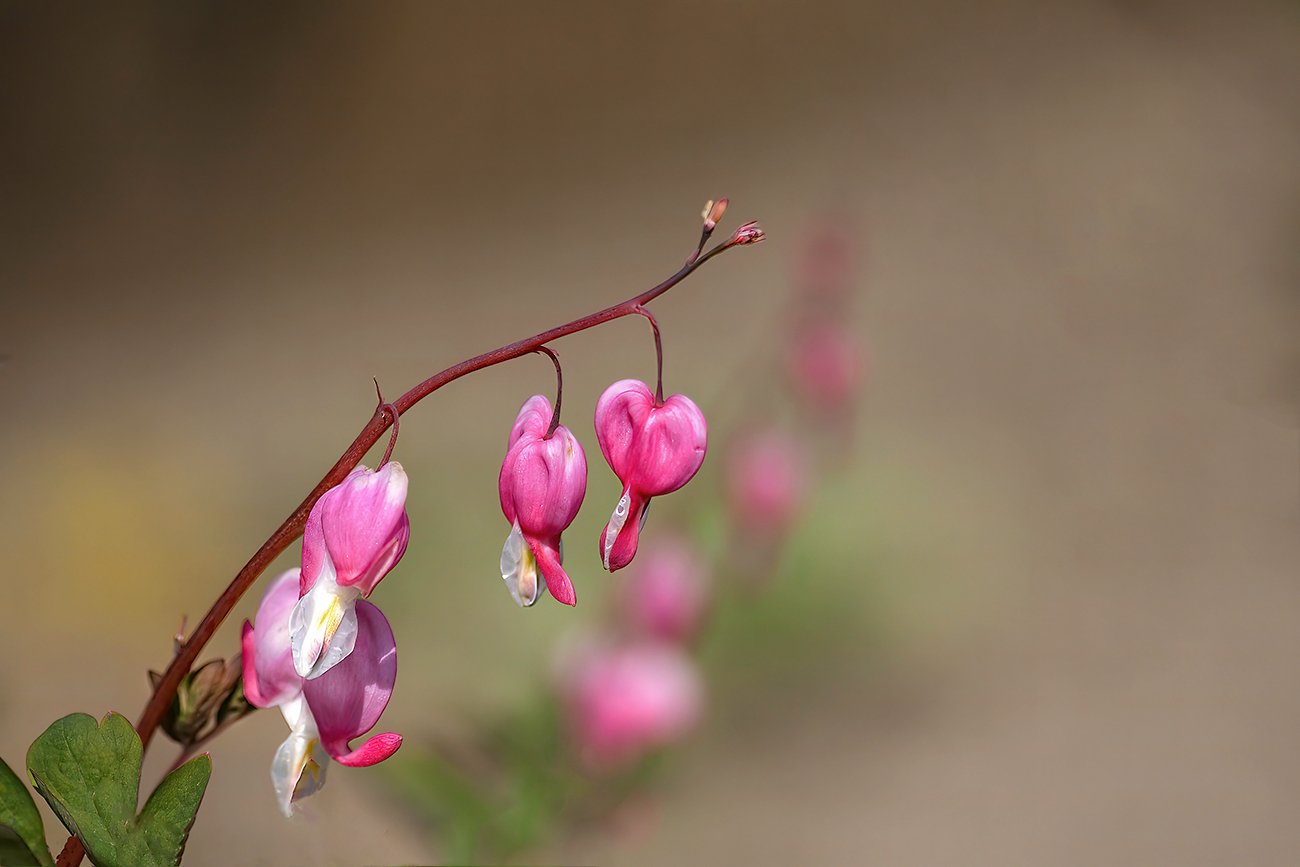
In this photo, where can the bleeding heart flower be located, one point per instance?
(652, 449)
(666, 592)
(325, 713)
(543, 480)
(767, 478)
(623, 700)
(355, 534)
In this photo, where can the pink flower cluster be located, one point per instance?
(654, 449)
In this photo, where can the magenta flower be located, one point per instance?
(355, 534)
(543, 480)
(624, 700)
(652, 449)
(767, 479)
(324, 713)
(666, 592)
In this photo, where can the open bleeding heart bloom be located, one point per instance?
(325, 713)
(543, 480)
(355, 534)
(652, 449)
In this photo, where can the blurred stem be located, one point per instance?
(383, 417)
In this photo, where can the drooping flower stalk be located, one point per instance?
(384, 416)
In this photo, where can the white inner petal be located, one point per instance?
(323, 625)
(298, 768)
(519, 569)
(616, 522)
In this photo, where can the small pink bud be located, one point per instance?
(623, 701)
(541, 485)
(749, 233)
(653, 450)
(666, 591)
(713, 212)
(767, 478)
(826, 366)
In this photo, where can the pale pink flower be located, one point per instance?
(324, 713)
(625, 700)
(767, 480)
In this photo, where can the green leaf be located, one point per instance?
(22, 833)
(90, 775)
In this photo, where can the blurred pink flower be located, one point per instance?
(625, 700)
(767, 480)
(324, 713)
(355, 534)
(826, 366)
(543, 480)
(652, 449)
(665, 594)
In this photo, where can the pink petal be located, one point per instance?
(246, 646)
(266, 651)
(347, 700)
(548, 561)
(625, 542)
(313, 551)
(534, 418)
(545, 481)
(360, 518)
(620, 413)
(372, 752)
(670, 447)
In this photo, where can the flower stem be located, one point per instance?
(559, 389)
(659, 357)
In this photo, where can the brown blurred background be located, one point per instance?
(1076, 480)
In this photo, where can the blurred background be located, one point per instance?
(1044, 613)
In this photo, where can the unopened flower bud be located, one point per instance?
(713, 212)
(750, 233)
(653, 450)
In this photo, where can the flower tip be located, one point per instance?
(750, 233)
(372, 752)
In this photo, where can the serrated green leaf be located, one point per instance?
(90, 775)
(19, 817)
